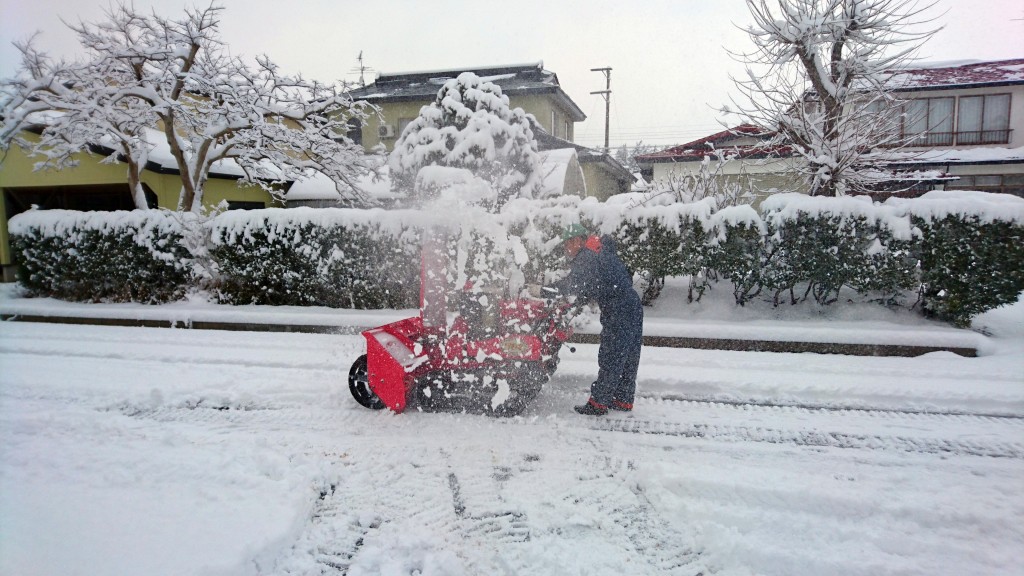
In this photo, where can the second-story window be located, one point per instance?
(554, 127)
(984, 119)
(568, 131)
(929, 121)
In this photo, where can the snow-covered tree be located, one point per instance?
(73, 107)
(817, 78)
(626, 155)
(176, 77)
(470, 125)
(708, 181)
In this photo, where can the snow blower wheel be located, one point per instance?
(359, 385)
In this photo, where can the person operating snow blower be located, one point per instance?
(598, 275)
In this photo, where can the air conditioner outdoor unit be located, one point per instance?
(386, 131)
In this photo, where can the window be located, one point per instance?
(568, 131)
(402, 123)
(554, 126)
(929, 121)
(1004, 184)
(355, 131)
(984, 119)
(245, 205)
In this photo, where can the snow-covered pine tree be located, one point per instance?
(816, 78)
(471, 126)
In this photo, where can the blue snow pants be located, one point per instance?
(598, 275)
(618, 356)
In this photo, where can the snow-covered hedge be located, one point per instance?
(971, 251)
(136, 256)
(824, 244)
(343, 258)
(962, 251)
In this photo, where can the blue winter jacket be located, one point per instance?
(600, 276)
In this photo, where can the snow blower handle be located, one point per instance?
(543, 292)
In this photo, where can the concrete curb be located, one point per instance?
(656, 341)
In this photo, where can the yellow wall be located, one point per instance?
(540, 105)
(6, 261)
(16, 172)
(600, 183)
(392, 112)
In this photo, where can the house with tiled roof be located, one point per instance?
(966, 122)
(400, 96)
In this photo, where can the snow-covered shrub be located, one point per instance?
(829, 243)
(736, 250)
(971, 251)
(342, 258)
(661, 241)
(135, 256)
(470, 125)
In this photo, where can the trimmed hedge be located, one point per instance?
(136, 256)
(304, 257)
(825, 244)
(962, 252)
(971, 252)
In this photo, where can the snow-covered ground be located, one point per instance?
(199, 452)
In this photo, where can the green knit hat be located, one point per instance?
(574, 231)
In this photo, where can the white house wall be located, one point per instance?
(1016, 112)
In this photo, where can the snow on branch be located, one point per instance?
(144, 71)
(816, 78)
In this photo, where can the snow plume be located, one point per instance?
(482, 255)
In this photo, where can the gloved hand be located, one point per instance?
(534, 290)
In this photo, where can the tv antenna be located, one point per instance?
(362, 69)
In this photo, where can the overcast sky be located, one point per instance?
(668, 57)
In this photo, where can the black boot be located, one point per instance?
(592, 408)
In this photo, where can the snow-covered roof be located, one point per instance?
(321, 187)
(545, 141)
(513, 79)
(946, 75)
(159, 159)
(964, 156)
(934, 76)
(698, 149)
(554, 165)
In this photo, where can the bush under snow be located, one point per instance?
(961, 253)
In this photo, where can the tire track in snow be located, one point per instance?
(249, 414)
(814, 438)
(149, 357)
(357, 512)
(810, 407)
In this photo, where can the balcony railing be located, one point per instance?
(984, 137)
(962, 138)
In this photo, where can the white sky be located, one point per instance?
(669, 61)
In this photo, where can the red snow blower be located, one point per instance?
(493, 357)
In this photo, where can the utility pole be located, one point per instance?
(607, 93)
